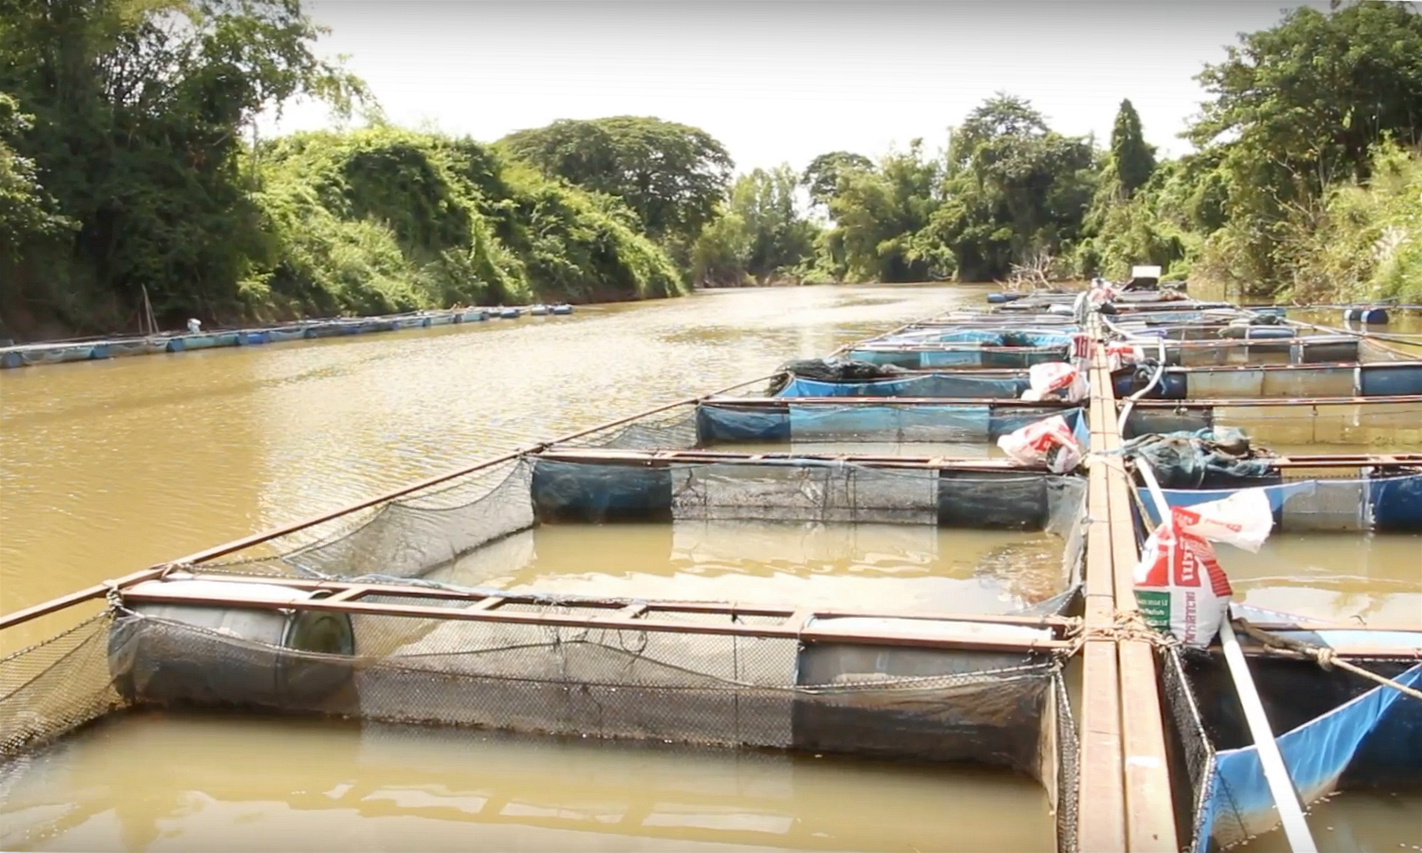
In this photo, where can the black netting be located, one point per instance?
(671, 685)
(56, 686)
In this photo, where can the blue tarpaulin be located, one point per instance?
(1239, 805)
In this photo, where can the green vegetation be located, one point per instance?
(129, 167)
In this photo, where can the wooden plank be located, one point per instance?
(1149, 812)
(1101, 808)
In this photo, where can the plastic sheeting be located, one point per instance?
(1373, 504)
(994, 387)
(962, 357)
(1206, 458)
(726, 423)
(1334, 730)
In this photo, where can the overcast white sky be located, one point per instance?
(782, 80)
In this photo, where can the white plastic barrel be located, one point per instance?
(229, 654)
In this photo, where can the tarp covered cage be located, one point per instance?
(1391, 422)
(1385, 500)
(1275, 381)
(929, 704)
(985, 384)
(727, 421)
(928, 358)
(1336, 731)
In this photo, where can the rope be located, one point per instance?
(1126, 626)
(1324, 657)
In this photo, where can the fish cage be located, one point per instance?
(1335, 730)
(545, 592)
(1382, 423)
(1276, 381)
(840, 420)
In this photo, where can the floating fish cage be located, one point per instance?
(405, 609)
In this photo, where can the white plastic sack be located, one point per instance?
(1047, 441)
(1119, 355)
(1055, 380)
(1180, 587)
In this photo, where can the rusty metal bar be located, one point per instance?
(1244, 402)
(616, 620)
(668, 457)
(786, 402)
(500, 598)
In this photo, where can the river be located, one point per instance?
(108, 466)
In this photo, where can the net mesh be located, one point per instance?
(55, 686)
(1001, 708)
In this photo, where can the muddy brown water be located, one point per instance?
(108, 466)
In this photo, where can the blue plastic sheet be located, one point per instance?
(1384, 504)
(931, 385)
(1317, 754)
(728, 423)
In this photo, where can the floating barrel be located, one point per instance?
(1372, 316)
(235, 653)
(247, 339)
(1000, 298)
(11, 360)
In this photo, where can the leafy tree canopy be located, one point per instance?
(821, 177)
(671, 175)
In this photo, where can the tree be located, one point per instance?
(26, 209)
(1132, 159)
(821, 178)
(761, 233)
(1317, 91)
(1014, 189)
(1296, 109)
(671, 175)
(878, 212)
(140, 110)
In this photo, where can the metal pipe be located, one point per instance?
(1131, 400)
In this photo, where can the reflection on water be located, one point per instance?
(318, 786)
(1332, 576)
(859, 567)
